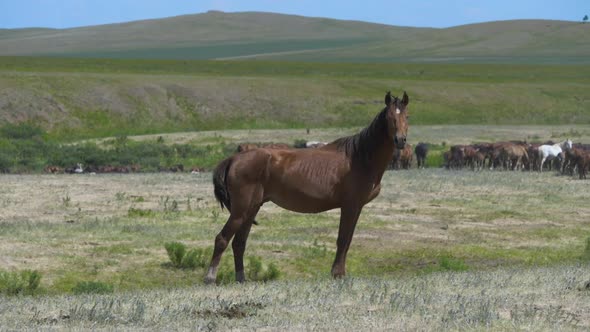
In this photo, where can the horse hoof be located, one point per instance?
(209, 280)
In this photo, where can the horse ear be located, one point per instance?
(405, 99)
(388, 98)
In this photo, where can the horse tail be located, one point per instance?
(220, 183)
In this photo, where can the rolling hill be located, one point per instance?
(309, 72)
(256, 35)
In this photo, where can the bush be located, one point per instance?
(181, 258)
(92, 287)
(19, 283)
(195, 258)
(176, 251)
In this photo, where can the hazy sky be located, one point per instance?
(423, 13)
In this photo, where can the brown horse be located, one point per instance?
(344, 174)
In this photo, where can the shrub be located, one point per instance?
(92, 287)
(141, 213)
(196, 258)
(176, 251)
(191, 259)
(19, 283)
(272, 273)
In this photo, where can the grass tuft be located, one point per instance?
(19, 282)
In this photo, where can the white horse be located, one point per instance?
(79, 169)
(549, 152)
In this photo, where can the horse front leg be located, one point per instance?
(348, 219)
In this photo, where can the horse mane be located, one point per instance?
(362, 146)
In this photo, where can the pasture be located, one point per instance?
(437, 248)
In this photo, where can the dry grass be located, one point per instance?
(539, 299)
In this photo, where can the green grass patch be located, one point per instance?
(24, 282)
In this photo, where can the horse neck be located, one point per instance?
(383, 159)
(381, 148)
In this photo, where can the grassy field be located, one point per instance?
(86, 98)
(436, 248)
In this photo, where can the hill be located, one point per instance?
(81, 98)
(219, 35)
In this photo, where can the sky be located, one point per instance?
(416, 13)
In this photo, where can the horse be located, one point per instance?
(421, 152)
(314, 144)
(549, 152)
(514, 156)
(246, 147)
(402, 158)
(74, 170)
(345, 174)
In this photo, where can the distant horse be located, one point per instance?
(246, 147)
(52, 169)
(583, 163)
(402, 158)
(314, 144)
(421, 152)
(344, 174)
(549, 152)
(74, 170)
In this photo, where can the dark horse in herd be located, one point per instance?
(343, 174)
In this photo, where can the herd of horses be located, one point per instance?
(565, 156)
(124, 169)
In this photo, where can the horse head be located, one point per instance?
(568, 144)
(397, 118)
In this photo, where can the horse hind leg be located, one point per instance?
(239, 221)
(239, 245)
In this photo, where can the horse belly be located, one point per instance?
(300, 202)
(305, 182)
(302, 195)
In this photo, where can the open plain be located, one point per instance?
(450, 249)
